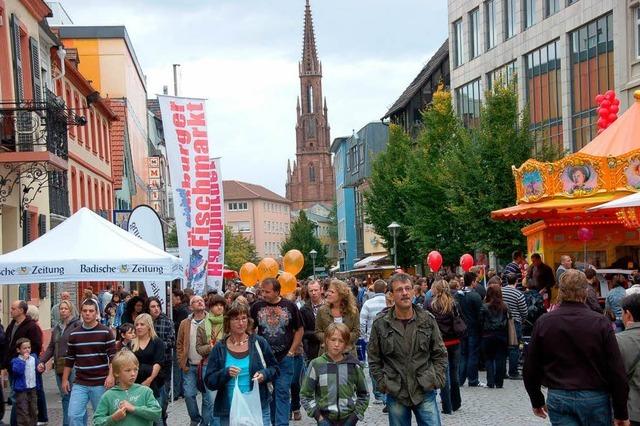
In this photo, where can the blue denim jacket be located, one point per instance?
(613, 301)
(216, 376)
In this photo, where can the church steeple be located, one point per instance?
(310, 65)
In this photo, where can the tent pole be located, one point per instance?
(170, 299)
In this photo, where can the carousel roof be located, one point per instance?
(621, 137)
(552, 208)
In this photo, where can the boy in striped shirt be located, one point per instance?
(91, 349)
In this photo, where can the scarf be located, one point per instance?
(214, 323)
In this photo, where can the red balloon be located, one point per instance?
(605, 104)
(603, 112)
(585, 234)
(614, 108)
(610, 94)
(434, 259)
(466, 262)
(600, 130)
(612, 117)
(602, 123)
(599, 98)
(616, 101)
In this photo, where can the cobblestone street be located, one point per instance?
(480, 406)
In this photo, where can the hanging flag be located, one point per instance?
(216, 229)
(185, 133)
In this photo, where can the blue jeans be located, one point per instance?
(189, 382)
(281, 401)
(514, 352)
(427, 413)
(575, 408)
(296, 382)
(494, 348)
(469, 355)
(450, 394)
(81, 395)
(65, 396)
(178, 391)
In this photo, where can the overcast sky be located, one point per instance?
(242, 55)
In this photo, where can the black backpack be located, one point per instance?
(535, 309)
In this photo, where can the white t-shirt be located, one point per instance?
(30, 373)
(194, 356)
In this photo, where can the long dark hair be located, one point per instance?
(494, 298)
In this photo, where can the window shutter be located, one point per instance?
(42, 225)
(35, 69)
(26, 228)
(17, 58)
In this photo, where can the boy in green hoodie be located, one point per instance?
(334, 390)
(127, 403)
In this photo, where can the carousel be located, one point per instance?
(562, 197)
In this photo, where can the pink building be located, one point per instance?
(260, 215)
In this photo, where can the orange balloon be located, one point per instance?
(293, 262)
(267, 268)
(249, 274)
(288, 283)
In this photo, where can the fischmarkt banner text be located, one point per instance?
(216, 229)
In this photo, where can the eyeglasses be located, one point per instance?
(403, 290)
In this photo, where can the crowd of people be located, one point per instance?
(312, 349)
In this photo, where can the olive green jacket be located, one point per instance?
(324, 318)
(408, 362)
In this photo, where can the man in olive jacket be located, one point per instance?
(407, 357)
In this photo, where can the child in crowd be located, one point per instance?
(23, 368)
(126, 333)
(335, 376)
(127, 403)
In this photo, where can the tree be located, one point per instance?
(388, 196)
(302, 237)
(333, 232)
(171, 238)
(238, 250)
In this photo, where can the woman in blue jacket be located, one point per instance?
(240, 356)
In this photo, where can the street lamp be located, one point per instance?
(342, 245)
(313, 255)
(393, 228)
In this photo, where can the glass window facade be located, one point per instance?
(509, 18)
(637, 31)
(506, 73)
(551, 7)
(490, 23)
(591, 74)
(544, 96)
(468, 103)
(458, 54)
(474, 33)
(529, 13)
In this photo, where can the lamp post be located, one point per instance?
(393, 228)
(313, 255)
(342, 245)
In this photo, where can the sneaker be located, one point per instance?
(516, 377)
(377, 401)
(296, 415)
(479, 385)
(385, 409)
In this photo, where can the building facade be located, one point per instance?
(561, 54)
(311, 180)
(345, 206)
(260, 215)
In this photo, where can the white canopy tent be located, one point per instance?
(632, 200)
(86, 247)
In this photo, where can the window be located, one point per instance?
(312, 173)
(238, 206)
(310, 99)
(474, 34)
(490, 23)
(506, 74)
(637, 31)
(529, 13)
(591, 73)
(468, 103)
(544, 95)
(458, 54)
(551, 7)
(509, 18)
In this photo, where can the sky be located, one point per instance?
(242, 55)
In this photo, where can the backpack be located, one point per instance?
(495, 321)
(535, 309)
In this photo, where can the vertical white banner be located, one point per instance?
(185, 134)
(216, 229)
(145, 224)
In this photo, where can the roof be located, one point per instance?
(335, 145)
(620, 137)
(94, 32)
(553, 207)
(421, 78)
(236, 190)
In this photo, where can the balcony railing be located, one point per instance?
(58, 193)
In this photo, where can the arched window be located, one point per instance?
(312, 173)
(310, 99)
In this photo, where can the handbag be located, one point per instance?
(512, 336)
(264, 364)
(202, 367)
(459, 326)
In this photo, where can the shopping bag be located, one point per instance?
(246, 409)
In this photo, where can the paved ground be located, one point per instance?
(480, 406)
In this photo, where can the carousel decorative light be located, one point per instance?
(629, 217)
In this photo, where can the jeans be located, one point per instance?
(450, 394)
(514, 352)
(189, 384)
(163, 400)
(349, 421)
(494, 348)
(575, 408)
(469, 354)
(178, 391)
(361, 350)
(80, 396)
(42, 403)
(427, 413)
(376, 391)
(295, 382)
(266, 417)
(281, 401)
(65, 396)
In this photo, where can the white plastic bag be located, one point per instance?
(246, 409)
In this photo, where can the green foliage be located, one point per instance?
(171, 238)
(238, 250)
(333, 230)
(302, 237)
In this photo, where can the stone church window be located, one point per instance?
(312, 173)
(310, 99)
(310, 127)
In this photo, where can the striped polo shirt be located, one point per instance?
(516, 303)
(90, 351)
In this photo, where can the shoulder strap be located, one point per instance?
(259, 349)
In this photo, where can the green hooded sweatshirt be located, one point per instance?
(147, 408)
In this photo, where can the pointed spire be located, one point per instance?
(310, 63)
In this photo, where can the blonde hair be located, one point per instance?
(347, 300)
(148, 321)
(442, 301)
(339, 328)
(33, 312)
(573, 286)
(123, 358)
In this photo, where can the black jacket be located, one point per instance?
(180, 313)
(470, 304)
(27, 328)
(310, 342)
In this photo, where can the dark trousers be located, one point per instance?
(298, 362)
(43, 416)
(469, 354)
(450, 394)
(514, 352)
(27, 407)
(494, 348)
